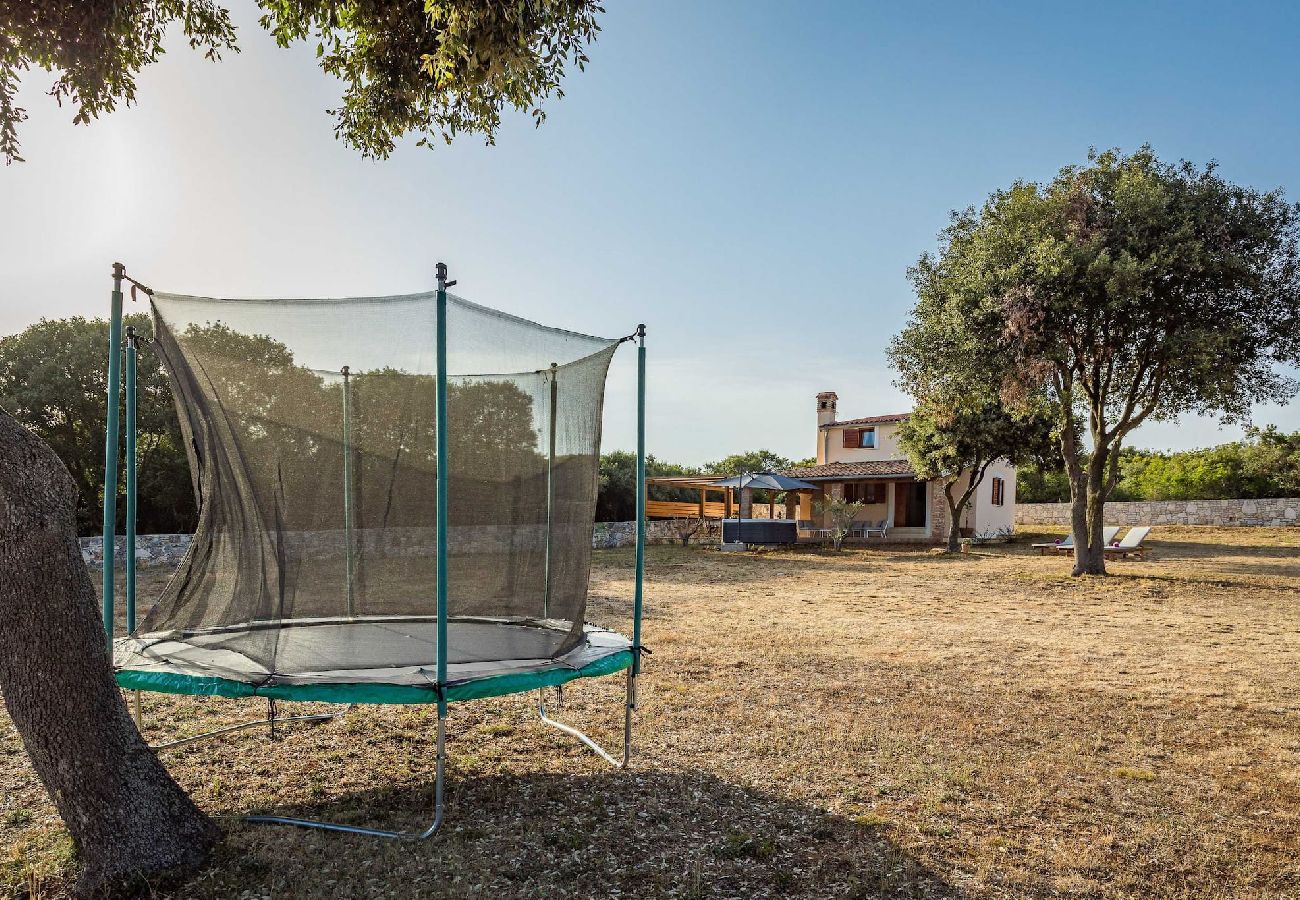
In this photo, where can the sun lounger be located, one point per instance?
(1067, 545)
(1132, 544)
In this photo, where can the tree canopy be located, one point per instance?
(1125, 290)
(438, 68)
(751, 461)
(54, 380)
(1266, 463)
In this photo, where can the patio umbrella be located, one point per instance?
(766, 481)
(761, 481)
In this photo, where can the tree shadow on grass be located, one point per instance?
(1212, 551)
(634, 833)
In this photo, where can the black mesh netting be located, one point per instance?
(312, 444)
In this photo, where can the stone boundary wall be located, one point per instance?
(168, 549)
(150, 549)
(1276, 511)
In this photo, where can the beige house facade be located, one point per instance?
(860, 459)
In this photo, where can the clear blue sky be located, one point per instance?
(751, 179)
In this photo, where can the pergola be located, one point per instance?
(727, 486)
(703, 508)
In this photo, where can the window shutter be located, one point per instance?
(851, 438)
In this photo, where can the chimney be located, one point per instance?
(826, 407)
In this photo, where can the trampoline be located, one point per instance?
(396, 501)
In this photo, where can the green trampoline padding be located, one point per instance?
(376, 659)
(475, 689)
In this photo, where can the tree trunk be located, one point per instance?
(1089, 553)
(129, 819)
(955, 510)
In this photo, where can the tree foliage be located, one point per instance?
(750, 462)
(616, 495)
(438, 68)
(54, 380)
(97, 47)
(1265, 464)
(1123, 291)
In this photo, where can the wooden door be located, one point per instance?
(909, 504)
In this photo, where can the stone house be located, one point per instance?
(860, 459)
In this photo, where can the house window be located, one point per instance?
(860, 438)
(864, 492)
(999, 492)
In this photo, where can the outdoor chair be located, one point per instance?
(880, 528)
(812, 529)
(1133, 543)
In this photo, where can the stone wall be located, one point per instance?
(168, 549)
(1279, 511)
(150, 549)
(658, 531)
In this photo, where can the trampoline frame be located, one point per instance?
(111, 459)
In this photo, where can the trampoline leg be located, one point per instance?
(272, 721)
(438, 806)
(139, 719)
(599, 750)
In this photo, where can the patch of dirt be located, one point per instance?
(873, 723)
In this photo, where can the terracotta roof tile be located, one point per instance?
(872, 420)
(875, 468)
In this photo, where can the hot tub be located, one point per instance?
(760, 531)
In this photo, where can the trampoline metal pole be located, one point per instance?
(640, 501)
(550, 496)
(111, 443)
(129, 562)
(348, 513)
(440, 426)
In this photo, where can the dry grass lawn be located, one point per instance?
(879, 723)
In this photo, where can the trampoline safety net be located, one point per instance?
(311, 434)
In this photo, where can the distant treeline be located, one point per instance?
(53, 379)
(1264, 464)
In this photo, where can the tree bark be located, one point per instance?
(954, 518)
(129, 819)
(1090, 555)
(957, 506)
(1086, 506)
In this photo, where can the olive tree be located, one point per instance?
(1123, 291)
(437, 68)
(838, 514)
